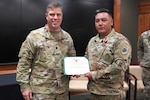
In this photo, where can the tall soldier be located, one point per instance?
(42, 52)
(144, 59)
(109, 55)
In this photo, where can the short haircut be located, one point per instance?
(54, 5)
(103, 10)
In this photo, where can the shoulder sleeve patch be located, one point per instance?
(124, 49)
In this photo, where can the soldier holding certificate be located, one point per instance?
(109, 55)
(42, 52)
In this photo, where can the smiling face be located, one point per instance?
(103, 23)
(54, 18)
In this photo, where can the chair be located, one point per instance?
(137, 84)
(127, 84)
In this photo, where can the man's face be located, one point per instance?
(103, 23)
(54, 18)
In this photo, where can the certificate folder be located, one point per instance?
(75, 65)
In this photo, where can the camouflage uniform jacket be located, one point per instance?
(109, 58)
(43, 54)
(144, 49)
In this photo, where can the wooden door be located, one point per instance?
(143, 17)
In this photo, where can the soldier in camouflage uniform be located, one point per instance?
(144, 59)
(39, 70)
(109, 55)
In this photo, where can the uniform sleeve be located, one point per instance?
(140, 49)
(122, 55)
(25, 60)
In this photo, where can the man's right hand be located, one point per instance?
(27, 95)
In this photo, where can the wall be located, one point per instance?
(129, 24)
(128, 27)
(9, 89)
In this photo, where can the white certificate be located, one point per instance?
(76, 65)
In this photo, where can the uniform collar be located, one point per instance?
(48, 34)
(106, 38)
